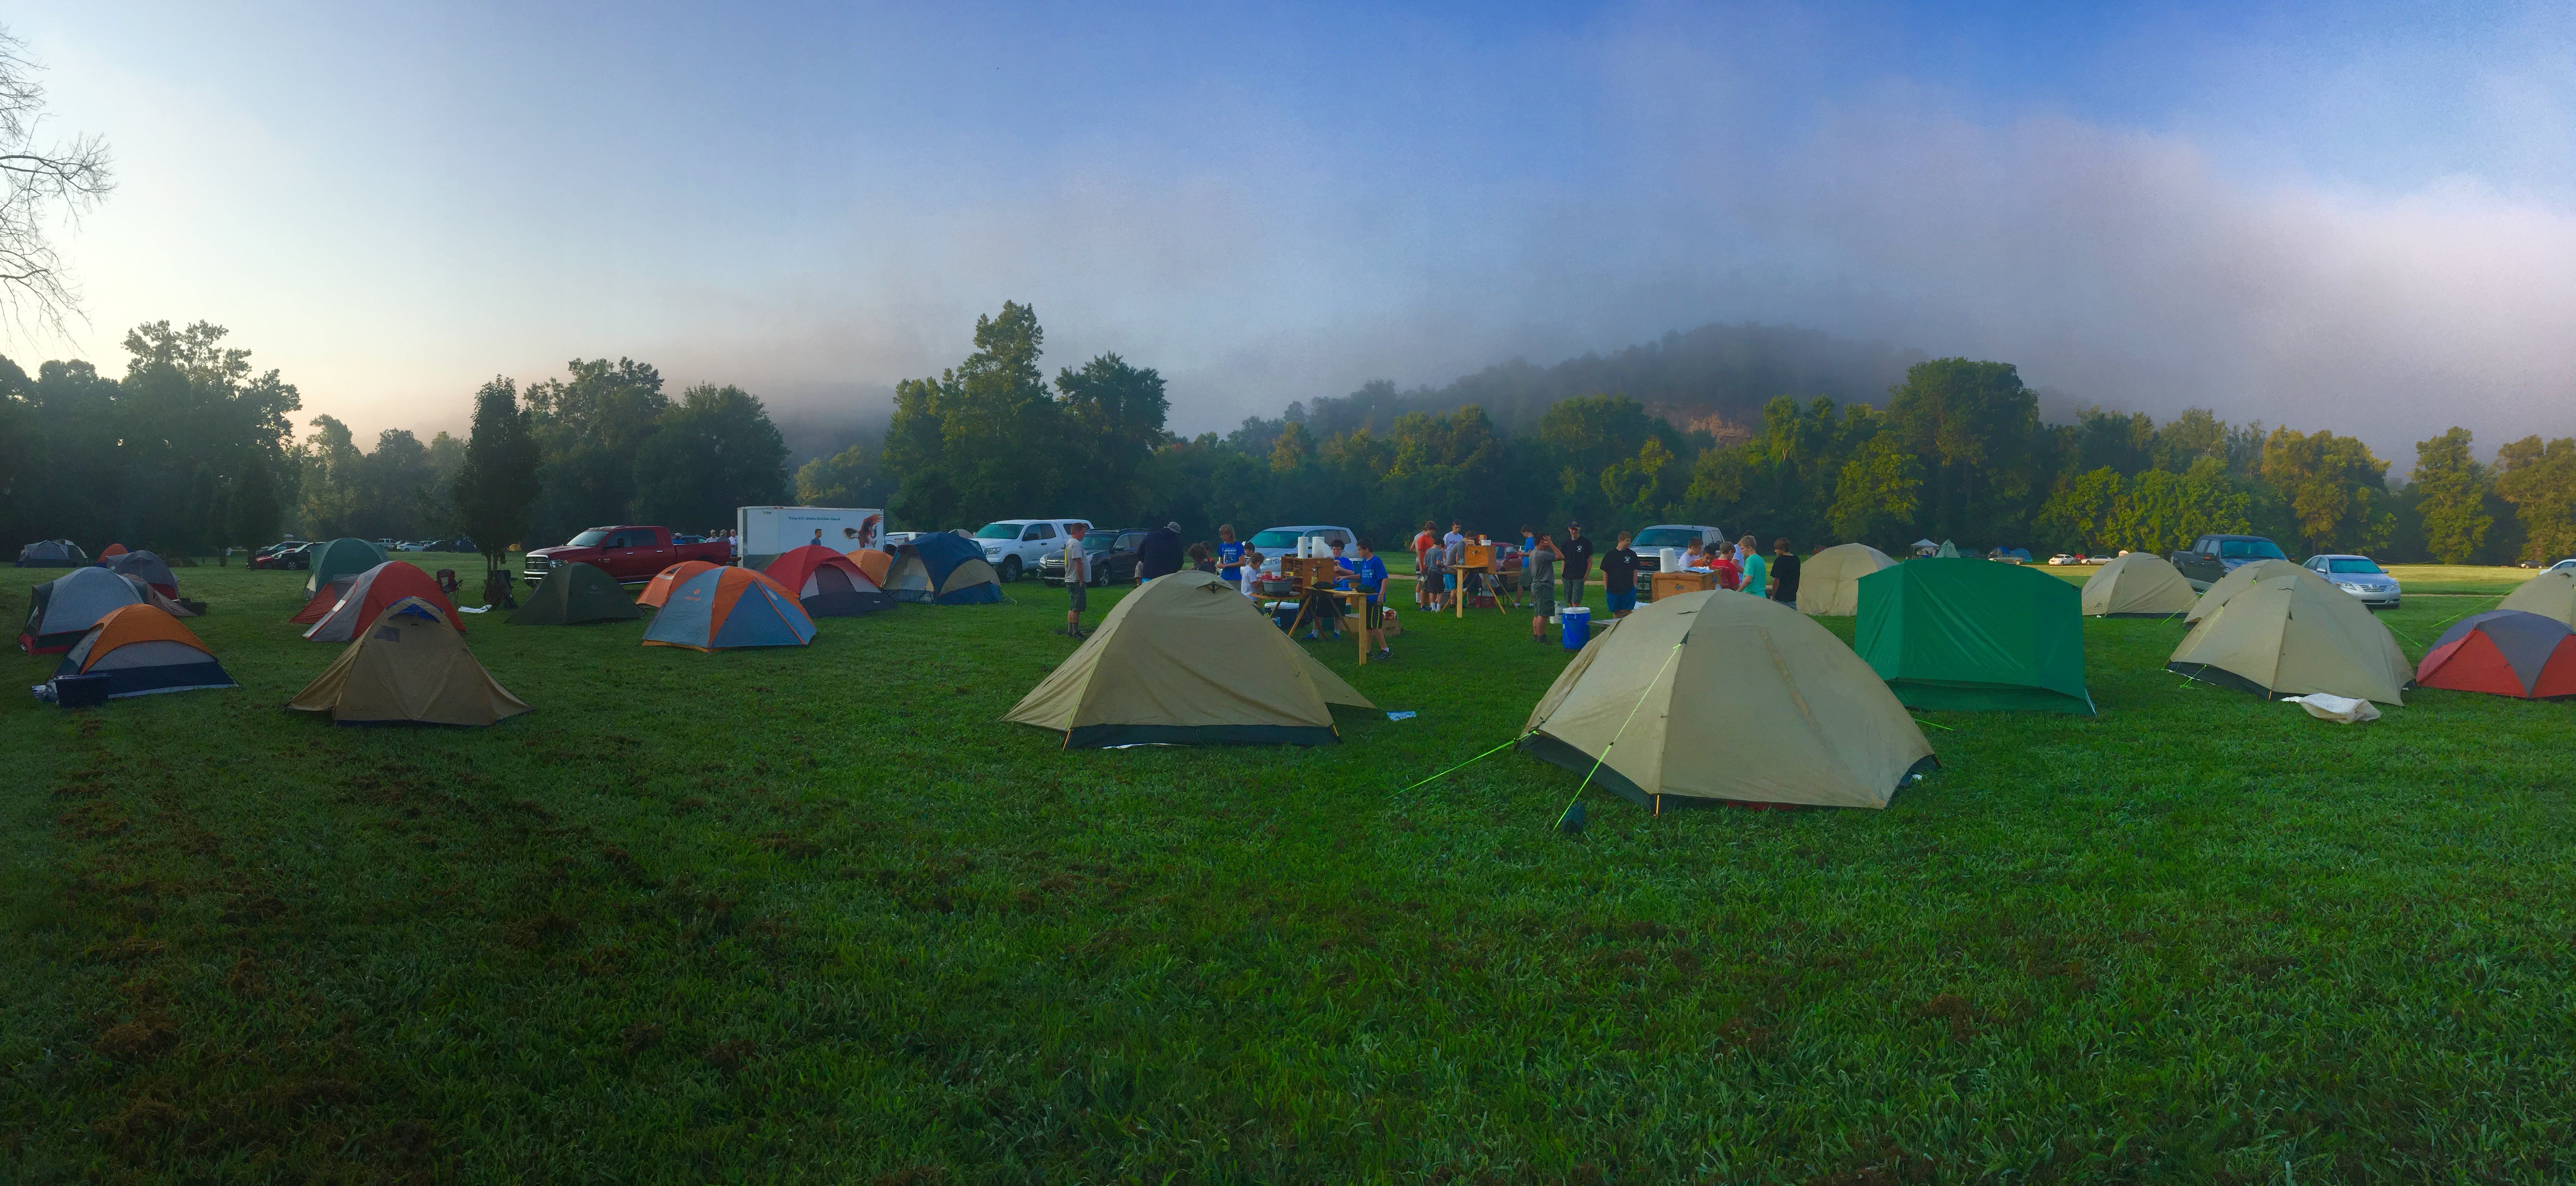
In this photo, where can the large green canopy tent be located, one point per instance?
(1974, 635)
(573, 594)
(340, 556)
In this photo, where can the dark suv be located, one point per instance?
(1112, 555)
(2213, 556)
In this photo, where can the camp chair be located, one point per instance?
(447, 582)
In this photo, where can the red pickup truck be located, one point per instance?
(631, 554)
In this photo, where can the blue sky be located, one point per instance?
(2361, 217)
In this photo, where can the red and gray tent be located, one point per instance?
(2506, 652)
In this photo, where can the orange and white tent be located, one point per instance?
(827, 583)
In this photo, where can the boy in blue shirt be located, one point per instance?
(1229, 555)
(1368, 574)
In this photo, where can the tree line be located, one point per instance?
(191, 451)
(1956, 451)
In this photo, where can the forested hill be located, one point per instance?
(1716, 378)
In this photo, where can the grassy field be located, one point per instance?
(814, 915)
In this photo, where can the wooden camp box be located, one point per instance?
(1477, 556)
(1665, 584)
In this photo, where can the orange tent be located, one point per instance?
(142, 650)
(112, 552)
(373, 591)
(658, 590)
(874, 563)
(730, 607)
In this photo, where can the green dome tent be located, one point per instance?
(340, 556)
(573, 594)
(1972, 635)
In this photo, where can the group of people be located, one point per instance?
(1550, 572)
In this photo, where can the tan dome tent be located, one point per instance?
(1187, 660)
(409, 664)
(1720, 696)
(2138, 585)
(2243, 578)
(2284, 636)
(1829, 581)
(2550, 595)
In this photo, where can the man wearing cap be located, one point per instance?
(1160, 553)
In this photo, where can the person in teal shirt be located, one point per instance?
(1749, 554)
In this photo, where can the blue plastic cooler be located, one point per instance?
(1577, 627)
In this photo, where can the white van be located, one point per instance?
(1013, 546)
(762, 533)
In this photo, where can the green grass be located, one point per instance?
(814, 915)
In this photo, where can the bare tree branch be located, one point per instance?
(42, 183)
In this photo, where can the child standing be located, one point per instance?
(1077, 577)
(1368, 575)
(1619, 577)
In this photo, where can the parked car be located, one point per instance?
(2359, 576)
(2568, 565)
(2213, 556)
(1111, 553)
(2063, 558)
(1275, 542)
(283, 554)
(1014, 546)
(632, 554)
(1650, 542)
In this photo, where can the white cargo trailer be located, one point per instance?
(761, 533)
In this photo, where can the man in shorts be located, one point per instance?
(1542, 584)
(1368, 575)
(1077, 577)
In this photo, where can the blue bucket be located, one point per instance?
(1578, 627)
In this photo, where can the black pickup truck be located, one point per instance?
(2213, 556)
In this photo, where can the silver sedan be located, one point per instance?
(2360, 576)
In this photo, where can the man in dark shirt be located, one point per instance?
(1619, 577)
(1160, 553)
(1578, 562)
(1784, 572)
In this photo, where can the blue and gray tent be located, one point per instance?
(943, 568)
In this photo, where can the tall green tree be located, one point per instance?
(2540, 481)
(254, 510)
(1113, 418)
(2336, 491)
(2451, 499)
(590, 427)
(498, 482)
(715, 450)
(981, 441)
(849, 478)
(1974, 425)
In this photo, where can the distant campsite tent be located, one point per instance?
(1720, 696)
(827, 583)
(409, 664)
(658, 590)
(1187, 660)
(1947, 551)
(2138, 585)
(339, 556)
(573, 594)
(111, 552)
(723, 608)
(2551, 595)
(149, 568)
(2243, 578)
(2505, 652)
(874, 562)
(1829, 581)
(372, 593)
(319, 607)
(2289, 635)
(61, 610)
(1968, 634)
(944, 568)
(142, 650)
(52, 553)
